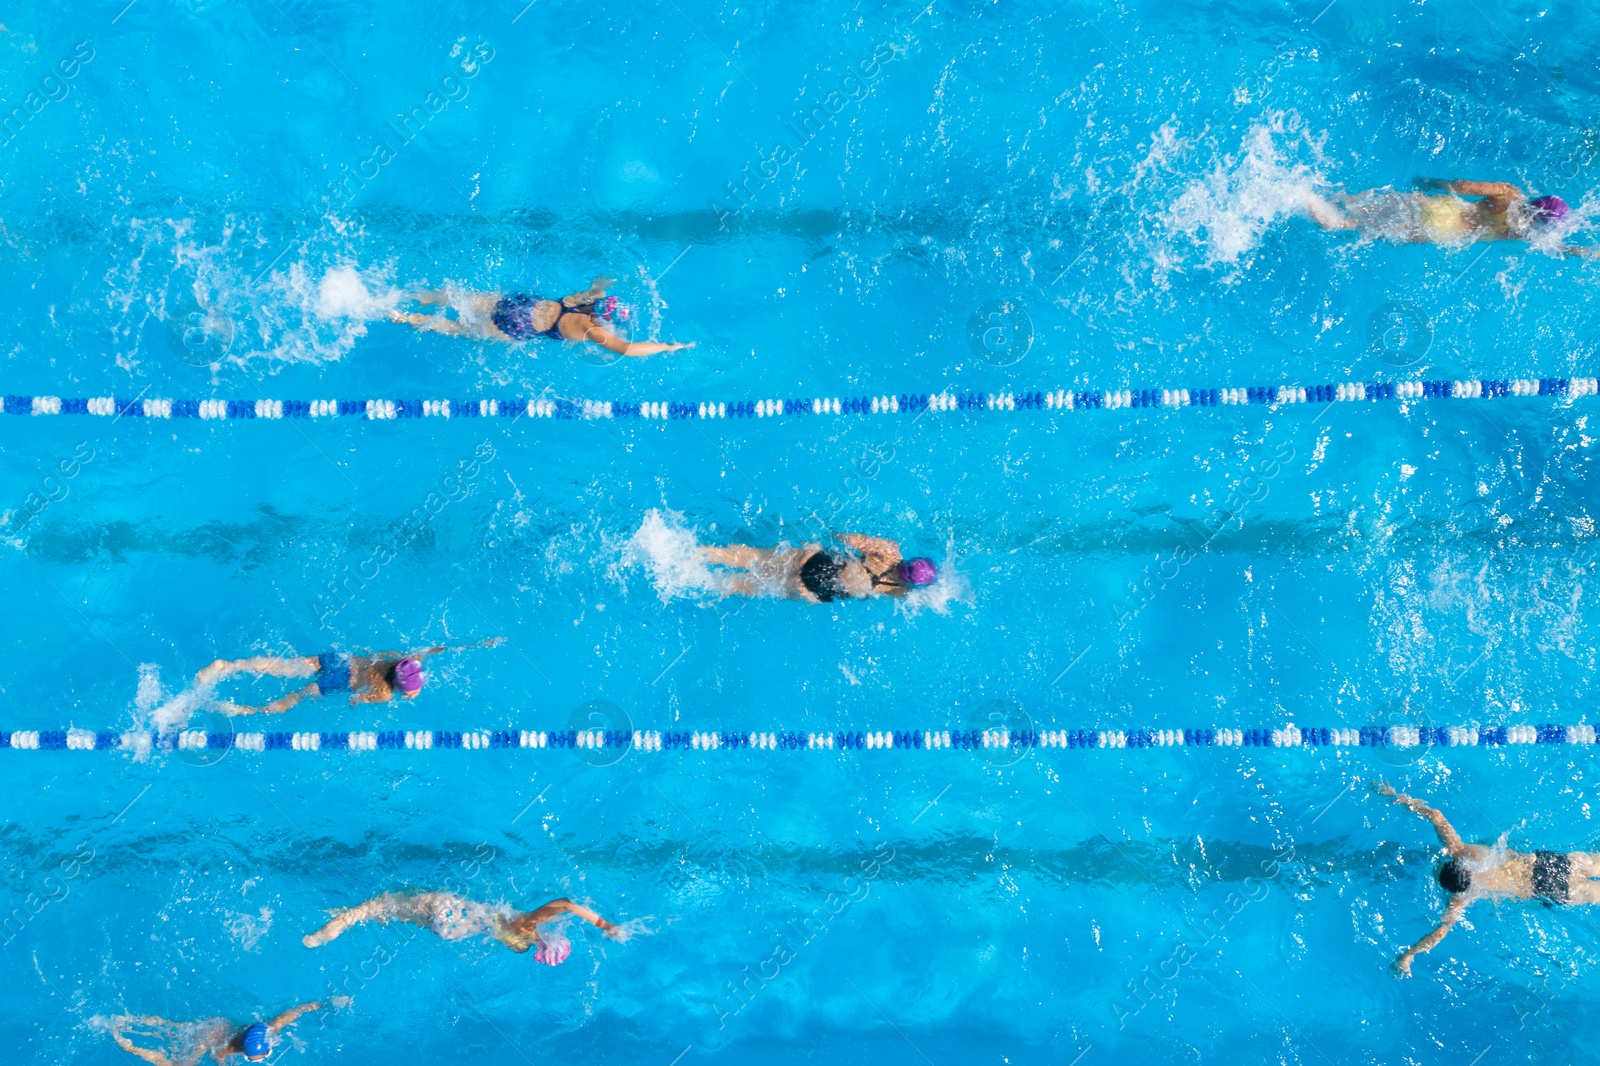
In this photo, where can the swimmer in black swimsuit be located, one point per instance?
(514, 317)
(811, 573)
(377, 679)
(1474, 871)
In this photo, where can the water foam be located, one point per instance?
(667, 549)
(1228, 210)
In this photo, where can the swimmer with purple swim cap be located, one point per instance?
(589, 316)
(188, 1042)
(812, 573)
(1501, 212)
(454, 917)
(369, 679)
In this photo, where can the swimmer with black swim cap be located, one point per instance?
(819, 576)
(189, 1042)
(1475, 871)
(589, 316)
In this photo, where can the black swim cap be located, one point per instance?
(1454, 877)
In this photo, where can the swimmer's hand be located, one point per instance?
(1383, 788)
(341, 1002)
(1402, 967)
(616, 932)
(675, 347)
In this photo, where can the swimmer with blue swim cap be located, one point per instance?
(1501, 212)
(189, 1042)
(454, 917)
(812, 573)
(369, 679)
(582, 317)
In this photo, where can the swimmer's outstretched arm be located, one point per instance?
(288, 1017)
(1458, 904)
(1447, 834)
(557, 907)
(277, 706)
(611, 342)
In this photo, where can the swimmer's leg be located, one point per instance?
(260, 665)
(1326, 215)
(416, 909)
(738, 556)
(277, 706)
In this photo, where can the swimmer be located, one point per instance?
(1503, 213)
(217, 1037)
(368, 680)
(1474, 871)
(455, 918)
(810, 573)
(512, 317)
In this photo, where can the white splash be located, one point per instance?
(670, 555)
(1227, 210)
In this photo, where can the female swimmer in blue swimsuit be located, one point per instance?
(368, 680)
(513, 317)
(456, 918)
(1475, 871)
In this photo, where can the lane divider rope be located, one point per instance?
(905, 403)
(1288, 736)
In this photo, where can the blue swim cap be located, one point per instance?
(255, 1041)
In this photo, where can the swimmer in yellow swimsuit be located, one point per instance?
(456, 918)
(1501, 212)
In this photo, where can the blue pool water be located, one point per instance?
(1128, 175)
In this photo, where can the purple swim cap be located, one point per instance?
(408, 675)
(553, 952)
(1549, 208)
(919, 572)
(611, 307)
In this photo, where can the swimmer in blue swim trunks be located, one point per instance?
(368, 680)
(1475, 871)
(186, 1043)
(456, 918)
(581, 317)
(812, 573)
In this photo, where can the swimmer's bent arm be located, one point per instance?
(872, 545)
(288, 1017)
(566, 906)
(1447, 834)
(1458, 904)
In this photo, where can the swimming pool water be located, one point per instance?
(1128, 175)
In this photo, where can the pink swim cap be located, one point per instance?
(408, 675)
(553, 952)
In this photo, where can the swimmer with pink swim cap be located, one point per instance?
(1499, 212)
(377, 678)
(455, 918)
(817, 575)
(589, 316)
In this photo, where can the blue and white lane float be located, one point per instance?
(384, 410)
(1288, 736)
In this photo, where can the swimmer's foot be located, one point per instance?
(218, 670)
(1325, 214)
